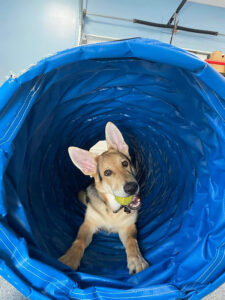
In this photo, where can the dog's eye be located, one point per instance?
(108, 172)
(124, 163)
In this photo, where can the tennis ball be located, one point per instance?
(124, 200)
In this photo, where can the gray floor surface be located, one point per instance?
(8, 292)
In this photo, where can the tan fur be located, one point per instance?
(73, 256)
(100, 211)
(82, 197)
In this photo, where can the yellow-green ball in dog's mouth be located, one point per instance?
(124, 200)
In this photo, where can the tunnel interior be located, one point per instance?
(175, 140)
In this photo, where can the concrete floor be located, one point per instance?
(8, 292)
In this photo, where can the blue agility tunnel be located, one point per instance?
(170, 107)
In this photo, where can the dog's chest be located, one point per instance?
(117, 221)
(110, 221)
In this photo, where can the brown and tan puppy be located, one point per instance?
(114, 175)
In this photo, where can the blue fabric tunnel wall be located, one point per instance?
(170, 107)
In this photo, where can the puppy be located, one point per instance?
(114, 179)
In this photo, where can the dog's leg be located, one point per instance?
(135, 260)
(73, 256)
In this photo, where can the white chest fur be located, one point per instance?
(112, 202)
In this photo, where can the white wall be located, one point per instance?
(32, 29)
(195, 15)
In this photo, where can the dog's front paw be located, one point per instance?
(136, 264)
(70, 259)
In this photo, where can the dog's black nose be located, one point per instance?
(130, 188)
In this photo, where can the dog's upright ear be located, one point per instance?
(84, 160)
(115, 139)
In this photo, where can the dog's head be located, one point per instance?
(112, 171)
